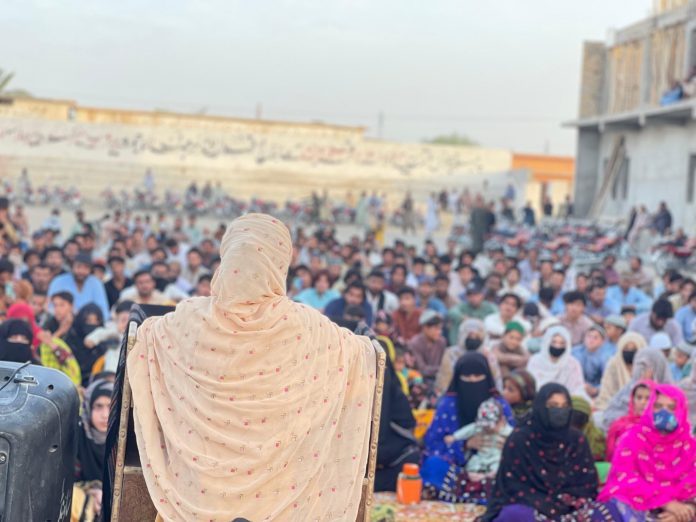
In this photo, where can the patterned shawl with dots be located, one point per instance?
(247, 404)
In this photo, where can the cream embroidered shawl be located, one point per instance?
(247, 404)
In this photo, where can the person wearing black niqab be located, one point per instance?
(15, 341)
(88, 319)
(444, 468)
(397, 444)
(469, 394)
(547, 471)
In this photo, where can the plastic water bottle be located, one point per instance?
(409, 485)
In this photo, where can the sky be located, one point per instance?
(503, 72)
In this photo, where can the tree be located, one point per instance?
(453, 138)
(5, 79)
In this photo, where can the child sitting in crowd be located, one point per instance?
(110, 336)
(492, 425)
(681, 365)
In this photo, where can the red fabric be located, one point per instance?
(26, 312)
(407, 326)
(625, 423)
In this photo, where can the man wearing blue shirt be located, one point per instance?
(556, 283)
(597, 307)
(626, 294)
(320, 294)
(426, 299)
(593, 356)
(84, 287)
(686, 316)
(353, 295)
(615, 326)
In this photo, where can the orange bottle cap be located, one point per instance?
(411, 469)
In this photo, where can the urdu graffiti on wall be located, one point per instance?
(239, 146)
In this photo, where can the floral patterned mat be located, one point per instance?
(387, 509)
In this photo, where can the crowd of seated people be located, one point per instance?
(580, 359)
(515, 378)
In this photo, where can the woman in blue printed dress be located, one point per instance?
(443, 471)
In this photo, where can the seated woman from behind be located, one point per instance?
(653, 473)
(280, 427)
(547, 471)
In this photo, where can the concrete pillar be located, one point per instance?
(592, 82)
(587, 178)
(646, 73)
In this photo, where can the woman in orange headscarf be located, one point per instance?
(247, 404)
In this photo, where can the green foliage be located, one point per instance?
(5, 79)
(452, 139)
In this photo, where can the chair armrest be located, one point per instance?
(369, 481)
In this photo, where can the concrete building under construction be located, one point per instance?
(635, 144)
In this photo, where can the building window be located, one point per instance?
(691, 179)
